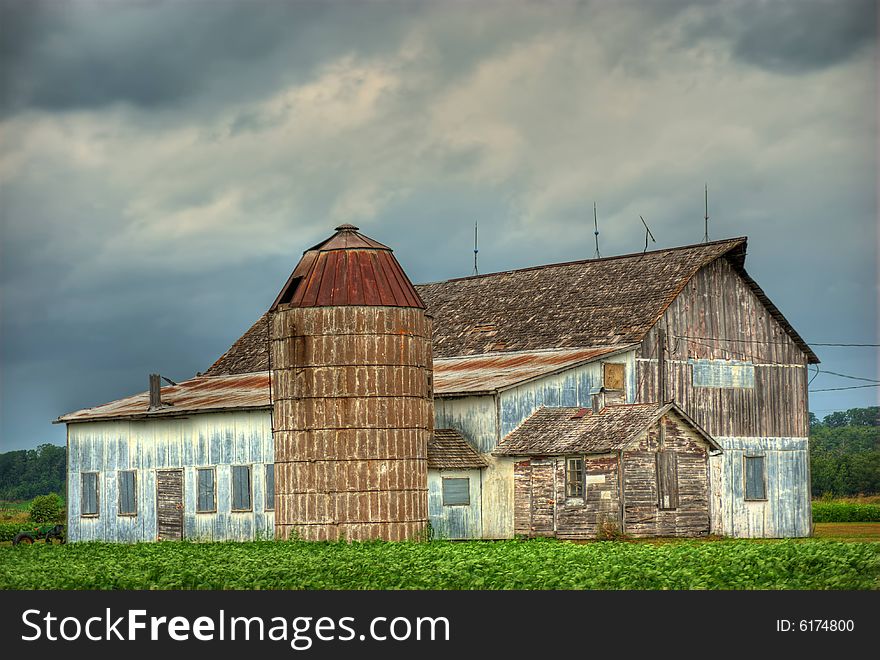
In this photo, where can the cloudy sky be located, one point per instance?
(164, 164)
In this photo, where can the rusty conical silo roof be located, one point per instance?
(348, 269)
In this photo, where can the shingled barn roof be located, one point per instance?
(449, 450)
(606, 302)
(561, 431)
(598, 302)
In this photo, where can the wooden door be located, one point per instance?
(169, 505)
(543, 499)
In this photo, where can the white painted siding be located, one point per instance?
(785, 512)
(454, 522)
(569, 388)
(217, 440)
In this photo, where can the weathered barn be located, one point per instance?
(684, 325)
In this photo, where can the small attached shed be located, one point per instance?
(454, 486)
(642, 469)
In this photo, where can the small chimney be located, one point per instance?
(155, 392)
(598, 399)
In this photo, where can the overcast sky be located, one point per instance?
(164, 164)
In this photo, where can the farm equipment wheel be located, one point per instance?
(22, 537)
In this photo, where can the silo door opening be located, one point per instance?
(169, 505)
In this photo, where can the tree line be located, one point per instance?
(845, 452)
(26, 473)
(844, 459)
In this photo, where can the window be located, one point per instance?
(667, 479)
(613, 376)
(127, 493)
(574, 477)
(456, 492)
(270, 486)
(89, 495)
(754, 471)
(206, 499)
(241, 488)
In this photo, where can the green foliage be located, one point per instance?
(845, 453)
(537, 564)
(47, 508)
(26, 473)
(9, 530)
(853, 417)
(826, 511)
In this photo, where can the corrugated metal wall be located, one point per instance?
(454, 522)
(217, 440)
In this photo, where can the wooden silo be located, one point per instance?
(351, 395)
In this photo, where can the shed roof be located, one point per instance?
(200, 394)
(612, 301)
(491, 372)
(449, 450)
(560, 431)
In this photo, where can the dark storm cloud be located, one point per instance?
(184, 154)
(88, 54)
(790, 36)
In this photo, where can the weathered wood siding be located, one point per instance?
(543, 509)
(785, 512)
(455, 522)
(217, 440)
(580, 517)
(761, 397)
(717, 303)
(642, 513)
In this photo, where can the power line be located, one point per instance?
(867, 345)
(757, 359)
(834, 373)
(852, 387)
(779, 343)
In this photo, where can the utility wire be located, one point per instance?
(834, 373)
(852, 387)
(780, 343)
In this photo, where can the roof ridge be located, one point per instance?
(737, 239)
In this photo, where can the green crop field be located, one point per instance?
(540, 564)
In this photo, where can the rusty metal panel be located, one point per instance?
(348, 269)
(352, 416)
(201, 394)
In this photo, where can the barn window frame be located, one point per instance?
(121, 475)
(444, 493)
(97, 486)
(269, 492)
(213, 472)
(747, 492)
(575, 477)
(236, 489)
(607, 382)
(667, 461)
